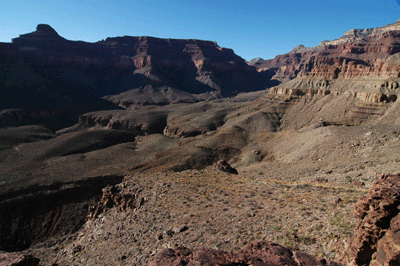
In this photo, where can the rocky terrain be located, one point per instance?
(136, 179)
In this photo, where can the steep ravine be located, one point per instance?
(36, 213)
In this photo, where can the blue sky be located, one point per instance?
(251, 28)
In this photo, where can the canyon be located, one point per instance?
(111, 152)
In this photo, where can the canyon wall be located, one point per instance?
(359, 53)
(46, 73)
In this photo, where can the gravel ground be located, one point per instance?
(209, 208)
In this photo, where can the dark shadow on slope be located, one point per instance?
(267, 75)
(38, 213)
(10, 137)
(82, 142)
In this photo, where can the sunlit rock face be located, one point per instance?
(359, 53)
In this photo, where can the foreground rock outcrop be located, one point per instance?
(376, 239)
(118, 196)
(18, 259)
(257, 253)
(223, 165)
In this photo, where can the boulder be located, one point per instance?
(223, 165)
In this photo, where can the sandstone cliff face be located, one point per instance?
(351, 80)
(359, 53)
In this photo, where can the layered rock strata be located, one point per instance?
(359, 53)
(351, 80)
(163, 68)
(58, 79)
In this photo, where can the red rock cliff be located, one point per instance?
(193, 66)
(358, 53)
